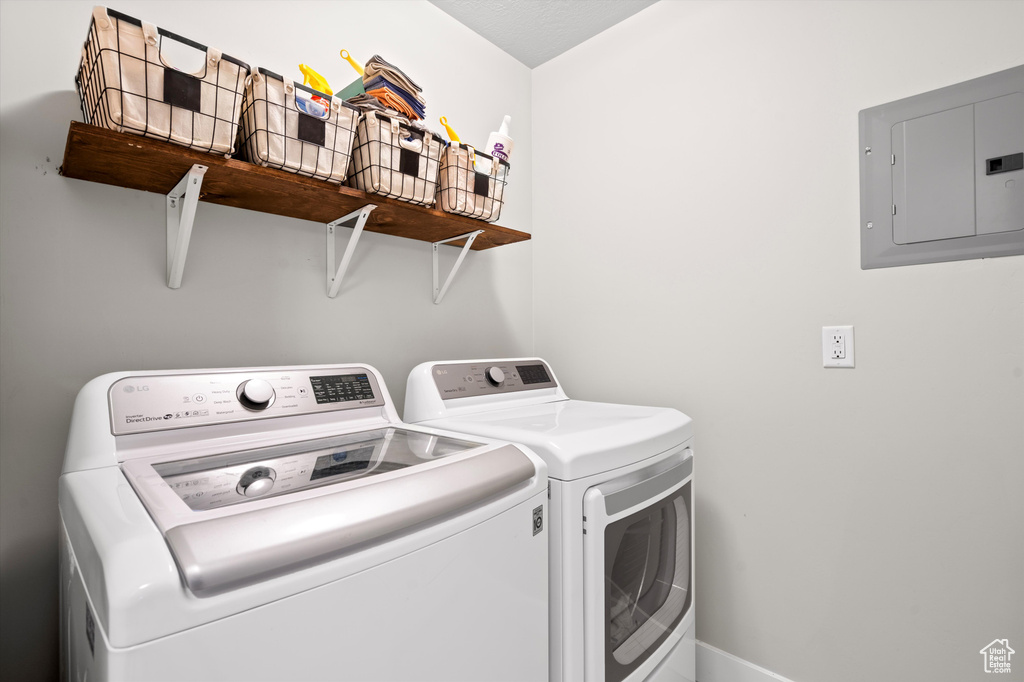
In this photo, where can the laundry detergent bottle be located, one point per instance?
(499, 144)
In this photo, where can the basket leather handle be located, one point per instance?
(289, 96)
(414, 140)
(410, 142)
(495, 162)
(152, 36)
(413, 144)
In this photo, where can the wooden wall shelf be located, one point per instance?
(125, 160)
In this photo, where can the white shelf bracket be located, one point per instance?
(335, 275)
(439, 292)
(181, 213)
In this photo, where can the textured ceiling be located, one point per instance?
(534, 31)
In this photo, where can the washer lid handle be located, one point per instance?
(229, 552)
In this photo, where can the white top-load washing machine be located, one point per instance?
(621, 511)
(281, 523)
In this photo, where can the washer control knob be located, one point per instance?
(256, 394)
(256, 481)
(495, 376)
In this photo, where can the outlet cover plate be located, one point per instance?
(837, 346)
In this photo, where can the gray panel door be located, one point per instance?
(933, 177)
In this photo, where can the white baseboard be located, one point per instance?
(715, 665)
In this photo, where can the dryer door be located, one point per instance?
(638, 551)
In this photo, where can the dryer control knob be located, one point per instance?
(495, 376)
(256, 481)
(255, 394)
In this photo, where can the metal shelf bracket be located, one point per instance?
(439, 292)
(181, 213)
(335, 275)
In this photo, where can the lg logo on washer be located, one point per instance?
(131, 389)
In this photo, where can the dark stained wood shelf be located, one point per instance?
(125, 160)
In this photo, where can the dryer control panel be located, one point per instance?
(463, 380)
(159, 402)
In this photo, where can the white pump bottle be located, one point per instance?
(499, 144)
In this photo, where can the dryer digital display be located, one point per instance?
(533, 374)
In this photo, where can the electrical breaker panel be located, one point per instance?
(942, 174)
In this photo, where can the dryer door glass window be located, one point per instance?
(647, 581)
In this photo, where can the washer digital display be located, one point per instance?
(341, 388)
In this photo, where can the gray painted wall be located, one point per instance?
(82, 288)
(696, 229)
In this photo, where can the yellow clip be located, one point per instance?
(314, 80)
(451, 133)
(355, 65)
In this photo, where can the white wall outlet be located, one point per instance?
(837, 346)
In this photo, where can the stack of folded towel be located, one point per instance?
(393, 88)
(364, 103)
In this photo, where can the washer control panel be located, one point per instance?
(141, 404)
(463, 380)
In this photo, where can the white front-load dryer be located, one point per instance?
(621, 528)
(283, 524)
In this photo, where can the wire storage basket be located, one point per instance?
(471, 183)
(126, 82)
(394, 159)
(290, 126)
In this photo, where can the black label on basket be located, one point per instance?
(182, 90)
(480, 186)
(311, 130)
(409, 163)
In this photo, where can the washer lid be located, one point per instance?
(249, 476)
(578, 438)
(235, 519)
